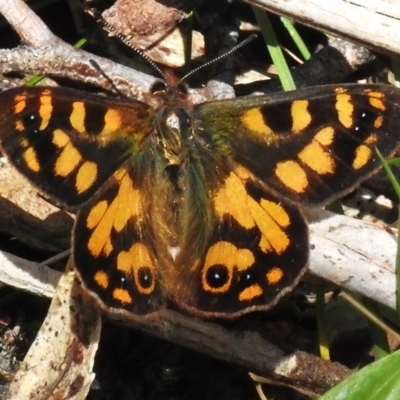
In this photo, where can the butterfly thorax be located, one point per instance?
(171, 125)
(172, 119)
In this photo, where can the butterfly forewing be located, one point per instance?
(69, 143)
(311, 145)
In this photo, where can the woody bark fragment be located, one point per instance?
(373, 24)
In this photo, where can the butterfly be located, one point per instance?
(195, 206)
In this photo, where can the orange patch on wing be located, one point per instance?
(315, 157)
(45, 109)
(242, 172)
(96, 214)
(19, 126)
(112, 122)
(69, 158)
(31, 160)
(77, 116)
(60, 138)
(244, 259)
(102, 279)
(376, 100)
(372, 139)
(253, 120)
(86, 176)
(344, 108)
(300, 115)
(221, 253)
(378, 122)
(127, 195)
(274, 275)
(250, 293)
(102, 231)
(20, 103)
(325, 136)
(276, 211)
(363, 155)
(104, 217)
(273, 236)
(231, 199)
(122, 296)
(292, 175)
(136, 257)
(108, 248)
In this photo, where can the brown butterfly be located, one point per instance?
(198, 206)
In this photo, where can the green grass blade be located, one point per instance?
(393, 161)
(396, 187)
(274, 49)
(323, 340)
(378, 333)
(189, 20)
(297, 39)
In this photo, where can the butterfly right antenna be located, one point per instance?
(229, 52)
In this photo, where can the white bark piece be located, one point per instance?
(370, 23)
(59, 363)
(28, 275)
(355, 255)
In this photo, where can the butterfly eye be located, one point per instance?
(159, 87)
(182, 90)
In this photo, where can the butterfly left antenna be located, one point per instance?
(99, 19)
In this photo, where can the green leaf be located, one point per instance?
(377, 381)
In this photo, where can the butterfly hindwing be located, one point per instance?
(68, 142)
(113, 248)
(257, 250)
(311, 145)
